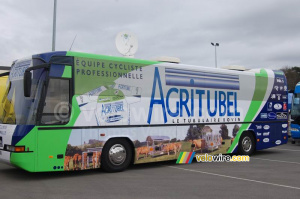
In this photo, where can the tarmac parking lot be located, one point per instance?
(271, 173)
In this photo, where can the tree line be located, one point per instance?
(292, 75)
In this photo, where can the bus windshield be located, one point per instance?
(15, 108)
(296, 107)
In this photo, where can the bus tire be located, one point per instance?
(116, 155)
(293, 142)
(246, 144)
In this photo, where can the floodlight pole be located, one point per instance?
(54, 26)
(215, 45)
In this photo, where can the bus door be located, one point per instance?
(54, 114)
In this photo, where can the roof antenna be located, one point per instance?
(73, 42)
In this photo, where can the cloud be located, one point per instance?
(251, 33)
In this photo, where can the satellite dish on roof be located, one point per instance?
(126, 43)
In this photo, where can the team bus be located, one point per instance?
(295, 114)
(64, 111)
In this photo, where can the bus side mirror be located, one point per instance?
(27, 83)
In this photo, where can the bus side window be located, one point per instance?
(56, 108)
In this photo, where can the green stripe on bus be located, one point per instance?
(111, 58)
(67, 72)
(261, 85)
(56, 143)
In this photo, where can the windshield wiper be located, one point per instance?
(4, 74)
(5, 68)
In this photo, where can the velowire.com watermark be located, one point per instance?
(222, 158)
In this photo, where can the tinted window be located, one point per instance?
(56, 108)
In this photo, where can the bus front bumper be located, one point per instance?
(295, 131)
(5, 157)
(295, 134)
(23, 160)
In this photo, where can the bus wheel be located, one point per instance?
(293, 142)
(246, 144)
(116, 155)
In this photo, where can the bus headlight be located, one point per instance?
(14, 148)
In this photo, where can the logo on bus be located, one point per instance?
(263, 115)
(258, 127)
(266, 127)
(266, 133)
(272, 115)
(278, 142)
(217, 103)
(281, 115)
(114, 118)
(284, 106)
(270, 106)
(266, 140)
(277, 106)
(112, 108)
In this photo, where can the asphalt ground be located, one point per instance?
(271, 173)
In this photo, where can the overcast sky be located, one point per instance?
(252, 33)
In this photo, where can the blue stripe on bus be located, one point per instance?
(197, 73)
(56, 70)
(176, 80)
(20, 132)
(47, 56)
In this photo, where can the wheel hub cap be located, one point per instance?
(247, 144)
(117, 154)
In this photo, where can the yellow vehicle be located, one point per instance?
(4, 72)
(5, 105)
(3, 81)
